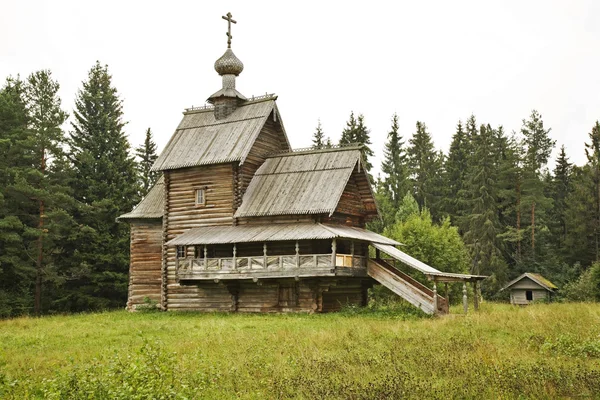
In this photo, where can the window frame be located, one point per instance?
(196, 192)
(180, 252)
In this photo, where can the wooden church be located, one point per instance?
(239, 221)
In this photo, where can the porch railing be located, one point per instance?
(268, 263)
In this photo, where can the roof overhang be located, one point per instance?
(275, 232)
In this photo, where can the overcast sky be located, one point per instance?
(430, 61)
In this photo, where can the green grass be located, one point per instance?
(541, 351)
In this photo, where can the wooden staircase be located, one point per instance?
(406, 287)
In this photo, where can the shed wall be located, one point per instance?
(518, 296)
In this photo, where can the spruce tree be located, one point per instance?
(483, 224)
(356, 132)
(147, 155)
(394, 165)
(561, 188)
(423, 163)
(318, 137)
(106, 183)
(455, 173)
(592, 152)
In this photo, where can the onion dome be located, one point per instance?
(229, 64)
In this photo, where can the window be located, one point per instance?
(529, 295)
(200, 197)
(180, 251)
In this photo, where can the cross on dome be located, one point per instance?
(229, 22)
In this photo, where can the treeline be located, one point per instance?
(514, 211)
(61, 190)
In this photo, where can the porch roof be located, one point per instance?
(275, 232)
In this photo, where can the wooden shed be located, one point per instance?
(241, 222)
(530, 287)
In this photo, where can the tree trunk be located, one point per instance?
(518, 221)
(38, 268)
(533, 230)
(37, 305)
(598, 216)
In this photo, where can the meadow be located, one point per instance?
(540, 351)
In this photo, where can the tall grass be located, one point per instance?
(541, 351)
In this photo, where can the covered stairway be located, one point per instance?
(419, 295)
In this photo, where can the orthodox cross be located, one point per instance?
(229, 21)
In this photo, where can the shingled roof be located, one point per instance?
(151, 206)
(537, 278)
(201, 139)
(309, 182)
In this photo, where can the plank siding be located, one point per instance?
(183, 214)
(145, 262)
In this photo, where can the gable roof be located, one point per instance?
(274, 232)
(537, 278)
(201, 139)
(306, 182)
(151, 206)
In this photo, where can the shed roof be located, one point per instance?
(306, 182)
(537, 278)
(274, 232)
(201, 139)
(151, 206)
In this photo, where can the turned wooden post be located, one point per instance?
(265, 255)
(205, 257)
(297, 254)
(476, 298)
(234, 257)
(465, 302)
(435, 299)
(333, 252)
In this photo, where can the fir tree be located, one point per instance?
(106, 182)
(147, 155)
(349, 132)
(396, 183)
(318, 137)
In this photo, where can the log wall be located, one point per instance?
(270, 140)
(183, 214)
(145, 262)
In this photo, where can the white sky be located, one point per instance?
(433, 61)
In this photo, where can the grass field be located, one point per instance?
(542, 351)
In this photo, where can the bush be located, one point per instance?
(586, 287)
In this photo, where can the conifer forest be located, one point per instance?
(496, 199)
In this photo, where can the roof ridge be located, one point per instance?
(249, 101)
(302, 171)
(312, 150)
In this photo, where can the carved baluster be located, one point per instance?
(297, 255)
(265, 255)
(234, 257)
